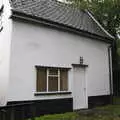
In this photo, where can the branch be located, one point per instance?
(1, 29)
(1, 9)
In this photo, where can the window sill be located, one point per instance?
(80, 65)
(52, 93)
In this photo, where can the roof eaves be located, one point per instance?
(23, 16)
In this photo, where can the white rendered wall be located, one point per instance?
(36, 45)
(5, 37)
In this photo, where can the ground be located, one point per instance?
(108, 112)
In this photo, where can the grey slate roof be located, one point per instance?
(59, 13)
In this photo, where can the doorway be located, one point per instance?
(80, 100)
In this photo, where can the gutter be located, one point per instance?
(110, 71)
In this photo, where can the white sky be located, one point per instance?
(0, 3)
(61, 0)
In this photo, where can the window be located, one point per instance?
(52, 79)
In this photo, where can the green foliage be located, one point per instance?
(118, 46)
(107, 12)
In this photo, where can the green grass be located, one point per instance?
(109, 112)
(114, 110)
(65, 116)
(116, 100)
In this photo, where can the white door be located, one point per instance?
(79, 89)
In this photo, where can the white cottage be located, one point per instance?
(53, 55)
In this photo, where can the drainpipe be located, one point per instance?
(110, 72)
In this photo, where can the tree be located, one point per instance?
(107, 12)
(1, 11)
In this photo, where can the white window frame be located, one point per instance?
(47, 92)
(48, 75)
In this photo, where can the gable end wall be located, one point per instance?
(37, 45)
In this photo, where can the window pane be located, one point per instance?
(63, 80)
(53, 71)
(53, 83)
(41, 80)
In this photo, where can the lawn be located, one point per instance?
(109, 112)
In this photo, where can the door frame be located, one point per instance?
(85, 85)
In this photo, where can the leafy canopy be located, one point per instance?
(107, 12)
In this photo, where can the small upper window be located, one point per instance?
(52, 79)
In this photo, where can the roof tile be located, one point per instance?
(60, 13)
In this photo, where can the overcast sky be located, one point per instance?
(0, 3)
